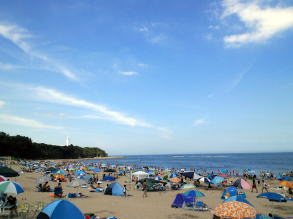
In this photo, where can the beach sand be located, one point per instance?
(157, 205)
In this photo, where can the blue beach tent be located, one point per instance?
(115, 189)
(60, 209)
(284, 177)
(231, 191)
(272, 196)
(109, 178)
(194, 193)
(180, 199)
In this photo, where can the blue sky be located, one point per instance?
(149, 77)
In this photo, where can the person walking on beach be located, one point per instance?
(264, 186)
(144, 189)
(124, 191)
(254, 184)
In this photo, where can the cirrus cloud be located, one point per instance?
(20, 121)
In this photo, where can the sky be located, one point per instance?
(148, 76)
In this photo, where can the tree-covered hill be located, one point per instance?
(23, 147)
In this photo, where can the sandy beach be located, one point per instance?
(157, 205)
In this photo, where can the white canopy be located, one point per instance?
(140, 175)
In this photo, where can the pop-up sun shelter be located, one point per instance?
(115, 189)
(60, 209)
(181, 199)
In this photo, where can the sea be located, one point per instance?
(269, 162)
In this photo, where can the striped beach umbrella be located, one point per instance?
(234, 210)
(3, 178)
(11, 187)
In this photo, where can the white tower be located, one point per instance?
(67, 141)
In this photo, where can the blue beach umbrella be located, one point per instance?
(10, 187)
(60, 209)
(217, 180)
(239, 198)
(272, 196)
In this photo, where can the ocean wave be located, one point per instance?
(212, 156)
(177, 156)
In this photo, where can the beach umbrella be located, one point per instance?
(239, 198)
(196, 176)
(193, 193)
(10, 187)
(286, 184)
(235, 210)
(3, 178)
(8, 172)
(42, 179)
(245, 184)
(60, 209)
(158, 178)
(272, 196)
(205, 180)
(217, 180)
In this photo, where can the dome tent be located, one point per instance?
(60, 209)
(115, 189)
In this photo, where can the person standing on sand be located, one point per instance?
(124, 191)
(264, 186)
(144, 189)
(254, 184)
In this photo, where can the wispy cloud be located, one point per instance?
(261, 21)
(56, 96)
(128, 73)
(152, 32)
(8, 67)
(19, 37)
(20, 121)
(2, 103)
(199, 122)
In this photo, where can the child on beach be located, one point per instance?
(124, 191)
(264, 186)
(144, 189)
